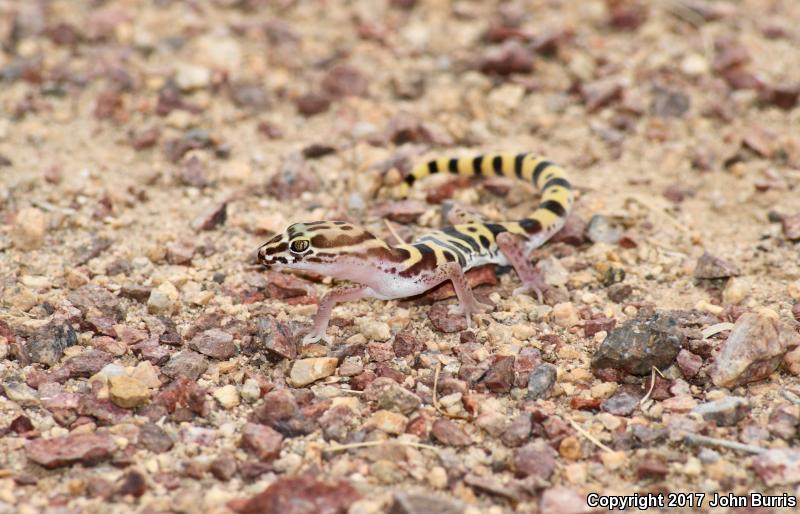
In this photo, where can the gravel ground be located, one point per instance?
(148, 147)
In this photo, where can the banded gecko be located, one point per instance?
(379, 270)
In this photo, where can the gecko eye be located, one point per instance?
(299, 245)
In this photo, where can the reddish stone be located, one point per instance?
(500, 376)
(445, 321)
(599, 94)
(274, 337)
(405, 344)
(344, 80)
(448, 433)
(281, 411)
(791, 227)
(187, 364)
(785, 96)
(778, 466)
(361, 381)
(292, 178)
(135, 292)
(223, 467)
(437, 195)
(311, 104)
(86, 449)
(593, 326)
(527, 360)
(20, 425)
(261, 440)
(689, 363)
(109, 104)
(729, 54)
(509, 58)
(419, 427)
(480, 276)
(141, 140)
(535, 459)
(215, 343)
(133, 484)
(283, 286)
(211, 217)
(573, 232)
(153, 438)
(269, 130)
(337, 422)
(518, 431)
(408, 128)
(652, 468)
(579, 403)
(380, 352)
(303, 494)
(740, 78)
(87, 363)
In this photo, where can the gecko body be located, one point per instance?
(379, 270)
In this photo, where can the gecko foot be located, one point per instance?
(313, 338)
(474, 307)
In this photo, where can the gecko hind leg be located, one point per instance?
(323, 315)
(467, 304)
(513, 248)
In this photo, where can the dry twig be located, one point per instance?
(369, 444)
(589, 436)
(702, 440)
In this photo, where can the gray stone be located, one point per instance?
(541, 380)
(407, 503)
(187, 364)
(753, 350)
(725, 412)
(640, 344)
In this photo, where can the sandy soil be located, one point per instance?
(148, 148)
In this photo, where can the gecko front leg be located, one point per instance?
(323, 315)
(467, 304)
(513, 248)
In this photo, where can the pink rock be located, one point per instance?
(302, 495)
(536, 459)
(779, 466)
(755, 347)
(500, 376)
(445, 321)
(689, 363)
(447, 432)
(559, 500)
(71, 449)
(406, 344)
(214, 343)
(261, 440)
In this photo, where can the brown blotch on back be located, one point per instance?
(324, 241)
(277, 249)
(427, 262)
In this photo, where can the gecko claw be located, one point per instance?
(314, 338)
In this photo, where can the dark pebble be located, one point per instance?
(640, 344)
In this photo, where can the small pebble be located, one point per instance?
(127, 392)
(227, 396)
(29, 229)
(307, 371)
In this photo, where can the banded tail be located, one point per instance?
(550, 179)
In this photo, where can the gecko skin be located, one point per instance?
(383, 271)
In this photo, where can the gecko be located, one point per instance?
(377, 269)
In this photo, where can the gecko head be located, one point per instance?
(311, 246)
